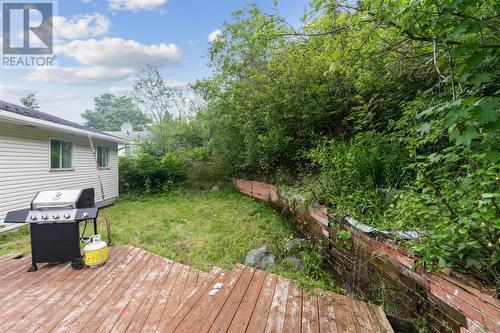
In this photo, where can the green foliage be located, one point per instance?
(385, 110)
(159, 101)
(204, 175)
(30, 102)
(359, 177)
(202, 231)
(312, 275)
(149, 174)
(456, 189)
(111, 111)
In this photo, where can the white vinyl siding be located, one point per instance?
(25, 166)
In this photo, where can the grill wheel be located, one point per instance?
(77, 264)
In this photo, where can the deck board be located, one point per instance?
(293, 315)
(140, 317)
(204, 313)
(277, 311)
(233, 302)
(117, 301)
(10, 264)
(49, 307)
(73, 309)
(137, 291)
(310, 315)
(244, 312)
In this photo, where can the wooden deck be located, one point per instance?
(137, 291)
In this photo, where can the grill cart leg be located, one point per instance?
(33, 267)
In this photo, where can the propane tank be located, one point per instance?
(95, 252)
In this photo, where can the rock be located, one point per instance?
(216, 189)
(260, 258)
(295, 262)
(294, 243)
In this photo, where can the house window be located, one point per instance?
(61, 155)
(103, 157)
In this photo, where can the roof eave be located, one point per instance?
(13, 117)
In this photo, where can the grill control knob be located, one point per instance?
(67, 216)
(85, 214)
(33, 217)
(56, 216)
(44, 217)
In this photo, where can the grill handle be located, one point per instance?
(53, 206)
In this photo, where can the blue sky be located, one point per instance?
(99, 42)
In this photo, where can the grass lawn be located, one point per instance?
(202, 230)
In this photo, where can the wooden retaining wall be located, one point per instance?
(380, 271)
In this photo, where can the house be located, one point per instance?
(135, 139)
(39, 151)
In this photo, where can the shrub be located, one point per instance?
(203, 175)
(150, 174)
(455, 194)
(359, 177)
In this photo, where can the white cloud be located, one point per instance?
(81, 26)
(117, 52)
(176, 84)
(13, 93)
(106, 60)
(214, 35)
(121, 90)
(55, 98)
(135, 5)
(78, 75)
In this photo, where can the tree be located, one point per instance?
(111, 111)
(157, 100)
(334, 104)
(30, 102)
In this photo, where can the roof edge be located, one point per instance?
(40, 123)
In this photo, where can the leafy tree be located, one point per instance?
(158, 101)
(334, 105)
(30, 102)
(111, 111)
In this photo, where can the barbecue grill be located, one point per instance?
(54, 218)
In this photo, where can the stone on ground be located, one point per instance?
(260, 258)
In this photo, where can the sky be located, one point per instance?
(99, 43)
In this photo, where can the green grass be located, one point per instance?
(15, 241)
(202, 230)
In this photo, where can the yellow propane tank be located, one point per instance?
(95, 252)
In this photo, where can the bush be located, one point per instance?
(204, 175)
(454, 196)
(359, 177)
(150, 174)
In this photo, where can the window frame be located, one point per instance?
(108, 157)
(61, 169)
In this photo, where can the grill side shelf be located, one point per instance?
(17, 216)
(91, 214)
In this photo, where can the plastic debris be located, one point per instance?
(406, 235)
